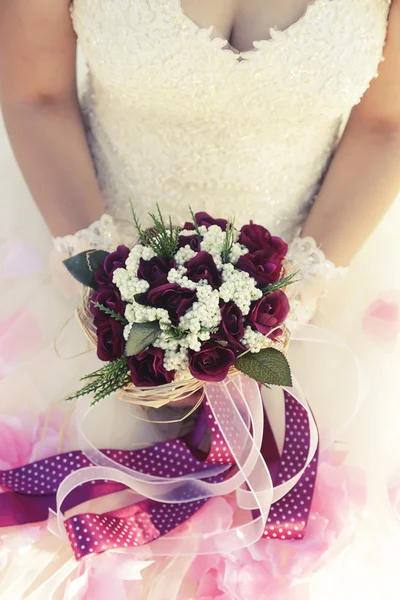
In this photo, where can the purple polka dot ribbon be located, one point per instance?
(288, 517)
(31, 489)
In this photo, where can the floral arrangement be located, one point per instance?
(193, 302)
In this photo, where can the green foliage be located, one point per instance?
(84, 265)
(110, 378)
(111, 313)
(228, 241)
(269, 367)
(141, 336)
(196, 225)
(282, 283)
(162, 238)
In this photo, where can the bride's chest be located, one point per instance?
(148, 51)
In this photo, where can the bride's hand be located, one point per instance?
(316, 275)
(189, 401)
(105, 234)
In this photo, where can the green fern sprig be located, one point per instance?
(228, 241)
(195, 223)
(162, 238)
(141, 232)
(110, 312)
(282, 283)
(110, 378)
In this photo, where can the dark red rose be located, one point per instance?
(269, 312)
(155, 270)
(109, 296)
(203, 218)
(202, 266)
(147, 368)
(188, 226)
(256, 237)
(175, 299)
(231, 329)
(110, 340)
(193, 241)
(211, 363)
(113, 261)
(264, 265)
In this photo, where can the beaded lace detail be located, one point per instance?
(102, 235)
(315, 276)
(307, 258)
(174, 116)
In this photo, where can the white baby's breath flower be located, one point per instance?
(255, 341)
(213, 243)
(239, 288)
(127, 330)
(176, 361)
(167, 342)
(183, 255)
(129, 285)
(204, 315)
(137, 313)
(179, 276)
(138, 252)
(148, 253)
(182, 374)
(236, 252)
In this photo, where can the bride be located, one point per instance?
(284, 113)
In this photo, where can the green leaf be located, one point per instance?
(142, 335)
(269, 367)
(84, 265)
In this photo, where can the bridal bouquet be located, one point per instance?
(183, 315)
(186, 305)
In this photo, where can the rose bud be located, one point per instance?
(193, 241)
(269, 312)
(231, 329)
(155, 271)
(264, 266)
(188, 226)
(202, 266)
(110, 340)
(110, 297)
(147, 368)
(173, 298)
(211, 363)
(203, 218)
(112, 262)
(256, 237)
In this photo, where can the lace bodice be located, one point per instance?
(176, 116)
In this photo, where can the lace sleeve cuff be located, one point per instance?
(315, 276)
(102, 235)
(310, 260)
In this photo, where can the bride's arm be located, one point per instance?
(41, 111)
(364, 176)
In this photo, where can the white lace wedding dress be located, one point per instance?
(176, 116)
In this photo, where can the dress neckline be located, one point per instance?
(211, 34)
